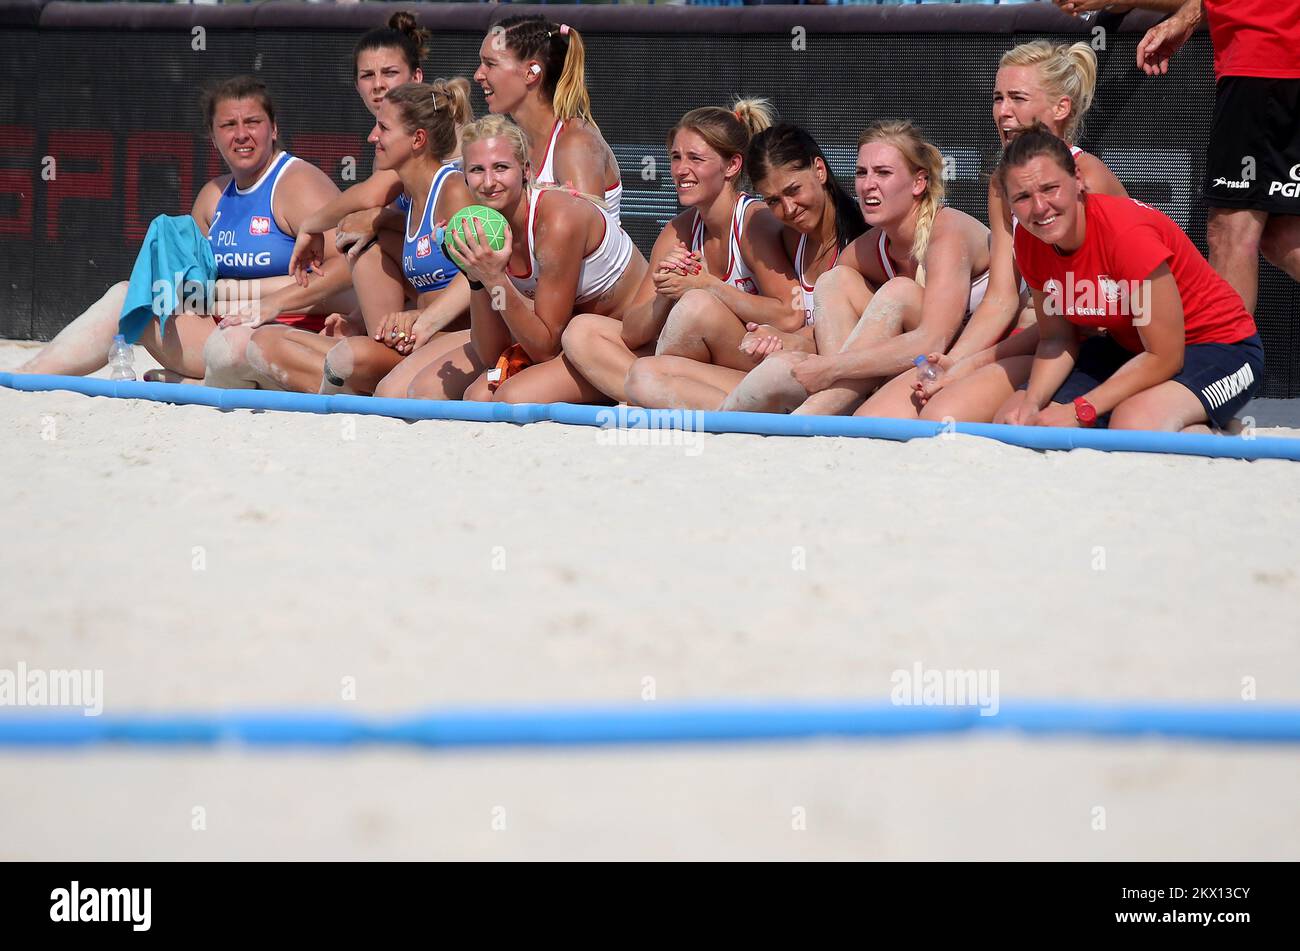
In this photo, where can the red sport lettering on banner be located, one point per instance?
(18, 182)
(66, 184)
(149, 148)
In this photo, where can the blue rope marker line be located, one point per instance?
(658, 723)
(763, 424)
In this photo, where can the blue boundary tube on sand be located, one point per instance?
(658, 723)
(763, 424)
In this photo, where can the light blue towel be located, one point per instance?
(175, 252)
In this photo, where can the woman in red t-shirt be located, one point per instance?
(1173, 347)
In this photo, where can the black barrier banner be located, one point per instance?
(100, 130)
(1219, 902)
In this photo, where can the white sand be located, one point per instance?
(335, 547)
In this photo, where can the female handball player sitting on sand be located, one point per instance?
(562, 253)
(384, 59)
(416, 131)
(1179, 348)
(251, 217)
(1036, 82)
(533, 70)
(704, 355)
(928, 262)
(715, 266)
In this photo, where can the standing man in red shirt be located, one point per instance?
(1252, 168)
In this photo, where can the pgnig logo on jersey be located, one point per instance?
(258, 225)
(1289, 189)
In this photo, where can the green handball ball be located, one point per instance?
(491, 222)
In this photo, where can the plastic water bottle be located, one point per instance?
(926, 371)
(121, 357)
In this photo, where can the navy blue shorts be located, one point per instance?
(1224, 376)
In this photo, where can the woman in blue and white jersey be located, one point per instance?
(416, 132)
(251, 216)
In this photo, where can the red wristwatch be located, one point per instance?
(1085, 413)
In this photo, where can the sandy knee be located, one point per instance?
(225, 349)
(340, 361)
(643, 381)
(692, 310)
(257, 357)
(581, 330)
(896, 292)
(836, 282)
(695, 300)
(259, 354)
(783, 361)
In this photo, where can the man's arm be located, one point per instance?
(1167, 37)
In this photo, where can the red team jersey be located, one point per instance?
(1100, 285)
(1255, 37)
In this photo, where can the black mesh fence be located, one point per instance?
(100, 129)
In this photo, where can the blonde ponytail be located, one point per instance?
(453, 94)
(755, 114)
(559, 49)
(571, 99)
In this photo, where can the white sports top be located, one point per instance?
(738, 273)
(808, 315)
(978, 287)
(600, 270)
(546, 175)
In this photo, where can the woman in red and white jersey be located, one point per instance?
(1172, 347)
(906, 285)
(534, 71)
(563, 254)
(706, 350)
(721, 257)
(1036, 82)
